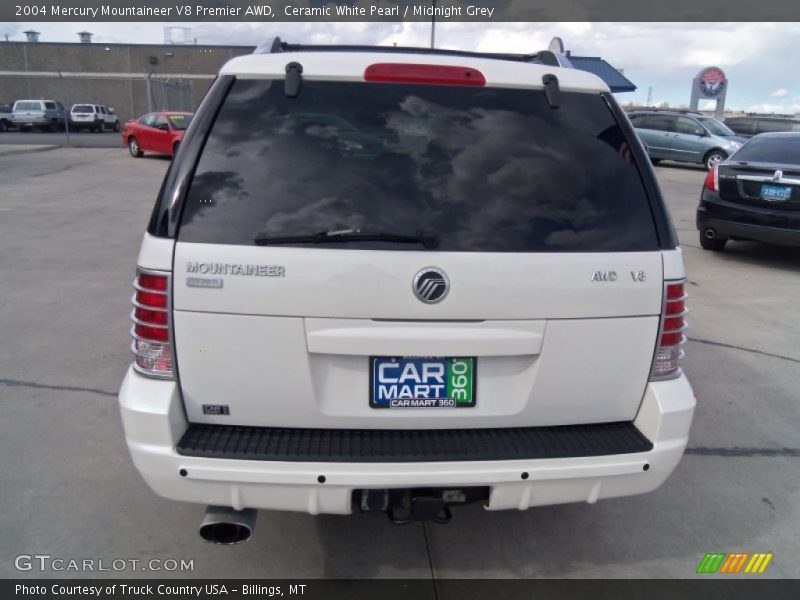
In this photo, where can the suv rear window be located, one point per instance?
(486, 169)
(773, 126)
(780, 150)
(82, 109)
(28, 106)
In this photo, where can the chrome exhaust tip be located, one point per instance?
(224, 525)
(710, 233)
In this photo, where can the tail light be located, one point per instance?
(669, 352)
(424, 74)
(152, 337)
(712, 179)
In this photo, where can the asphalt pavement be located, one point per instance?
(71, 221)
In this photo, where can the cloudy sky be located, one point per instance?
(760, 59)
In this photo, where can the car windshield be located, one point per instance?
(777, 150)
(180, 121)
(485, 169)
(82, 109)
(716, 127)
(28, 106)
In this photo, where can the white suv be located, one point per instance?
(95, 117)
(401, 280)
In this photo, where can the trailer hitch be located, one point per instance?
(404, 506)
(419, 508)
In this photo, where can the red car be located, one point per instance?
(157, 132)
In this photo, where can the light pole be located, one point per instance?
(433, 24)
(66, 112)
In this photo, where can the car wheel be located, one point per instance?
(175, 148)
(655, 161)
(3, 126)
(713, 158)
(53, 126)
(716, 244)
(116, 125)
(133, 147)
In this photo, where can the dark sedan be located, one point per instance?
(754, 194)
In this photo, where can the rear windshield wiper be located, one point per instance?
(429, 239)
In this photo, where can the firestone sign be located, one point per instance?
(711, 81)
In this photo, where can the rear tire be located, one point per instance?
(716, 244)
(175, 148)
(3, 126)
(116, 125)
(133, 148)
(713, 158)
(53, 127)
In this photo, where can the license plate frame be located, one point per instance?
(454, 367)
(775, 193)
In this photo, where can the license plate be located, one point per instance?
(422, 382)
(775, 192)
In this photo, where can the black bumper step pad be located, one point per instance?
(396, 445)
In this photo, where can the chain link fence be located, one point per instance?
(169, 94)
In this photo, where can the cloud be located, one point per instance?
(767, 108)
(780, 93)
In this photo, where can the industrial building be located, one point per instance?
(131, 78)
(134, 79)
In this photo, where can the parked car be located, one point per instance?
(684, 137)
(749, 126)
(94, 117)
(754, 195)
(47, 115)
(5, 117)
(158, 132)
(320, 329)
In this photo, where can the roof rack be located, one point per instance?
(543, 57)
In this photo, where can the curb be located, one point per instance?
(26, 149)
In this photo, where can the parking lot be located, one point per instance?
(70, 226)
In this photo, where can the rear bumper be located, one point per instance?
(154, 422)
(760, 224)
(30, 121)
